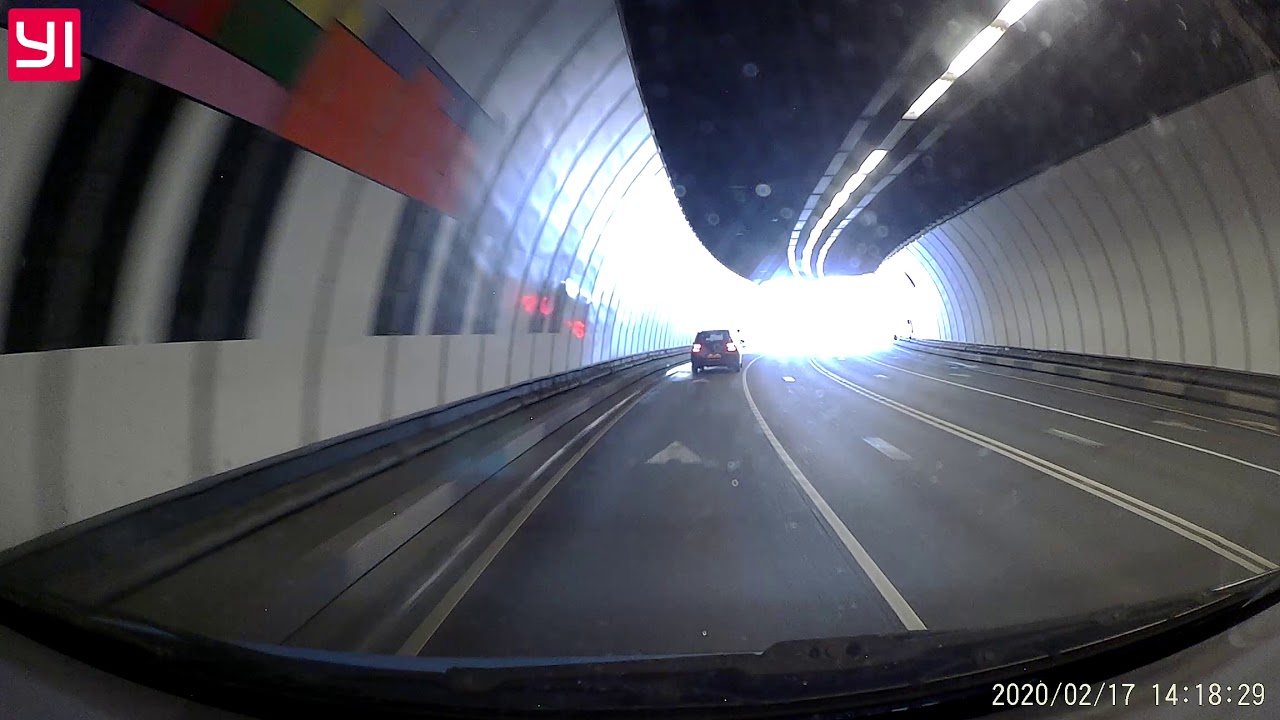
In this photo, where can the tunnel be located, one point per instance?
(290, 246)
(391, 327)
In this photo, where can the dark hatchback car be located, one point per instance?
(715, 348)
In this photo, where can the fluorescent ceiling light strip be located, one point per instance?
(1014, 10)
(974, 51)
(806, 257)
(832, 210)
(822, 254)
(927, 98)
(852, 184)
(872, 161)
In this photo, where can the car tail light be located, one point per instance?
(697, 347)
(730, 347)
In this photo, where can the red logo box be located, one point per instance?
(44, 45)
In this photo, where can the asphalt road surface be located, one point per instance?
(808, 498)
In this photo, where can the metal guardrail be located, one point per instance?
(1252, 392)
(327, 468)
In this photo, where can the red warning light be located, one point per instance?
(544, 306)
(529, 303)
(578, 328)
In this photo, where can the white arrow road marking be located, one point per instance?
(1073, 437)
(1176, 424)
(886, 448)
(675, 452)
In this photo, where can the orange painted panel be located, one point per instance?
(353, 109)
(344, 104)
(422, 143)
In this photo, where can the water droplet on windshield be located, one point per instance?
(763, 190)
(750, 70)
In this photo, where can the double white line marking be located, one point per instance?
(910, 620)
(1099, 421)
(1237, 554)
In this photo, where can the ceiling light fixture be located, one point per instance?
(927, 98)
(976, 48)
(1012, 12)
(872, 161)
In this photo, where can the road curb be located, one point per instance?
(1250, 392)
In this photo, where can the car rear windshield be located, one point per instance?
(713, 335)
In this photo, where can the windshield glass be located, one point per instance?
(380, 328)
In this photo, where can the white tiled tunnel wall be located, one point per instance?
(569, 181)
(1161, 244)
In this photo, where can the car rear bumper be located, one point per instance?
(728, 360)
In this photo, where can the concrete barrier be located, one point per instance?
(1251, 392)
(91, 560)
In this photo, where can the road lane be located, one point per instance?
(1231, 432)
(971, 538)
(711, 547)
(1231, 499)
(683, 531)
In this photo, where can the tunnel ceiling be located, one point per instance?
(753, 102)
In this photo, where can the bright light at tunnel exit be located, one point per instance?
(832, 316)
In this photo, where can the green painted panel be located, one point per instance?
(271, 35)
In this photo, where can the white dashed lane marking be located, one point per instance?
(1204, 537)
(788, 378)
(886, 448)
(1073, 437)
(910, 620)
(1078, 416)
(1179, 425)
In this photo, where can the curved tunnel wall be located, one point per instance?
(335, 223)
(1161, 244)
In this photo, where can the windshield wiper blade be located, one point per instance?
(942, 674)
